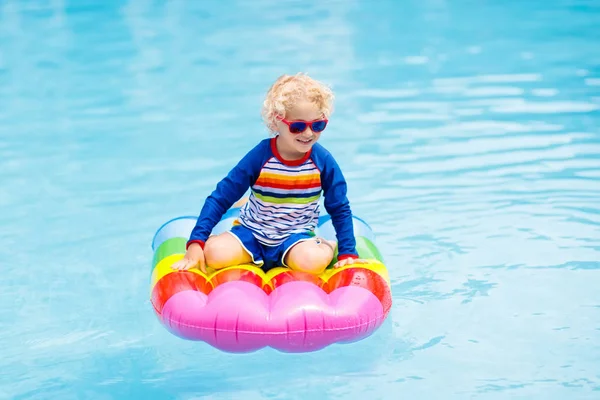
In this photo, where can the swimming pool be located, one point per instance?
(469, 135)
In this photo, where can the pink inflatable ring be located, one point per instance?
(243, 309)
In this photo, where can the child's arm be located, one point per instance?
(337, 205)
(228, 191)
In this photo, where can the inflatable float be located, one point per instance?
(242, 309)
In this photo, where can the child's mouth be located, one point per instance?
(304, 141)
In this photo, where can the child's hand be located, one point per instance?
(348, 261)
(194, 256)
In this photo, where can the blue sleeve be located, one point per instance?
(229, 190)
(337, 205)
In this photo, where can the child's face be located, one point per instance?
(295, 145)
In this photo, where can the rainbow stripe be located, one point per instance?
(283, 200)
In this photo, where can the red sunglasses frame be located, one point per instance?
(308, 123)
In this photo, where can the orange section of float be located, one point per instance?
(176, 282)
(373, 265)
(359, 276)
(244, 273)
(372, 276)
(163, 268)
(288, 275)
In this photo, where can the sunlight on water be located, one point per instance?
(469, 135)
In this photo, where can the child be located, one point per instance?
(286, 174)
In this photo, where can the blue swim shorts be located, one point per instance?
(267, 256)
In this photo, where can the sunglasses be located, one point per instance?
(317, 125)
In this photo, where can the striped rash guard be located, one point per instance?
(284, 197)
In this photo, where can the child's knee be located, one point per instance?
(220, 251)
(311, 256)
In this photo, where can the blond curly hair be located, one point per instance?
(288, 89)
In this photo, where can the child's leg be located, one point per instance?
(235, 247)
(308, 254)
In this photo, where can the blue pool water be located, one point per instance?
(469, 133)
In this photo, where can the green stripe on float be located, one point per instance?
(169, 247)
(367, 249)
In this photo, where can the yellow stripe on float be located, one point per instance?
(163, 268)
(246, 267)
(272, 273)
(372, 265)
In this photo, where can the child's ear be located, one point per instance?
(273, 126)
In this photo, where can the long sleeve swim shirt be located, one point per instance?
(284, 197)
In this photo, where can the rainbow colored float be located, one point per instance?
(242, 309)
